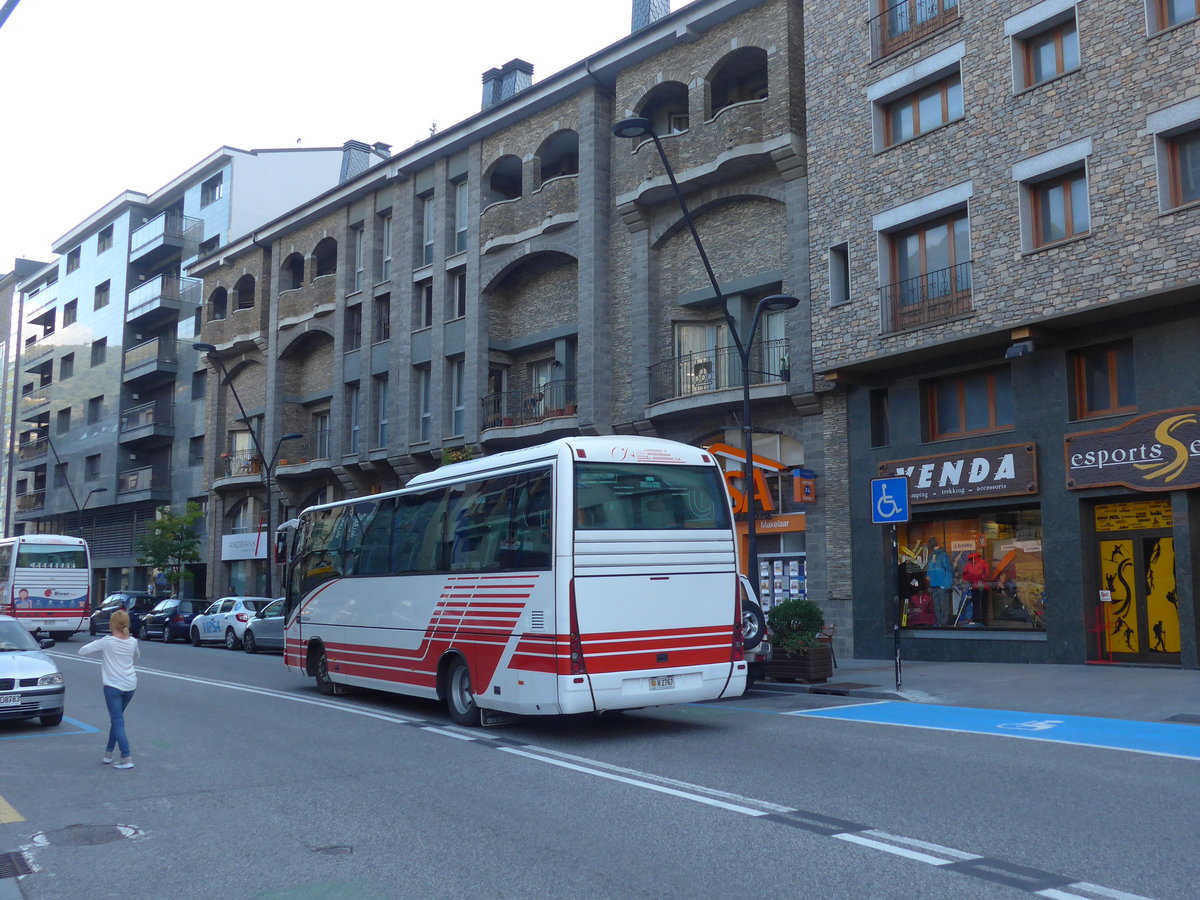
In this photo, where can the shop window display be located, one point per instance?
(982, 571)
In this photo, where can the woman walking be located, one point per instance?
(118, 651)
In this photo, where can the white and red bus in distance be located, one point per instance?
(46, 581)
(582, 575)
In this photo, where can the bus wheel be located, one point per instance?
(324, 683)
(460, 702)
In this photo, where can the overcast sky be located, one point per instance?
(102, 96)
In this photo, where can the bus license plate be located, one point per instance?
(662, 683)
(10, 699)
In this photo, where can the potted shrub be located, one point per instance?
(797, 653)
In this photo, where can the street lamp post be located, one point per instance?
(641, 127)
(92, 533)
(210, 353)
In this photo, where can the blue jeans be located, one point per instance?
(117, 701)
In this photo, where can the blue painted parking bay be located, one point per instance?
(1158, 738)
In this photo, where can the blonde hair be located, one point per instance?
(119, 621)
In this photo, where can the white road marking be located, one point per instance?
(889, 848)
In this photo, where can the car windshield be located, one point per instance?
(13, 636)
(164, 606)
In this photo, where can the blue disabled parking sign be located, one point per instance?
(889, 500)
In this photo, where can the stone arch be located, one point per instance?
(218, 304)
(243, 292)
(502, 180)
(704, 201)
(291, 272)
(558, 155)
(666, 106)
(325, 257)
(737, 77)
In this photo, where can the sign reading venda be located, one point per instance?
(1156, 452)
(994, 472)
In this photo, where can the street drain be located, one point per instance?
(13, 864)
(85, 835)
(333, 851)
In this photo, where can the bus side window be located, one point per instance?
(531, 521)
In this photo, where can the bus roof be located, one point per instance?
(45, 539)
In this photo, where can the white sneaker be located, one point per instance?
(107, 758)
(125, 763)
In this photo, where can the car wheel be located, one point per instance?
(754, 626)
(248, 642)
(166, 635)
(231, 640)
(460, 702)
(92, 628)
(195, 637)
(52, 719)
(324, 683)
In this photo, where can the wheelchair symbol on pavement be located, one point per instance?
(1032, 725)
(889, 500)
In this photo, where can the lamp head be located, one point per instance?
(205, 348)
(633, 128)
(778, 302)
(291, 436)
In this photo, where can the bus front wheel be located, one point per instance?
(460, 701)
(324, 683)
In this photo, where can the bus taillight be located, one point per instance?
(737, 651)
(577, 664)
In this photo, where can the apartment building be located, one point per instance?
(1004, 206)
(22, 269)
(525, 275)
(108, 415)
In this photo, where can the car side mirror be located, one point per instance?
(47, 643)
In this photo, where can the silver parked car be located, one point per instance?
(264, 631)
(30, 684)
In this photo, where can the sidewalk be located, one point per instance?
(1114, 692)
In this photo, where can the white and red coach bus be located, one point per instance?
(45, 582)
(582, 575)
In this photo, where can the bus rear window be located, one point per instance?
(647, 497)
(47, 556)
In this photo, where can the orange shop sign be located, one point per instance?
(735, 478)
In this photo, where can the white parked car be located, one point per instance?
(265, 629)
(225, 621)
(30, 684)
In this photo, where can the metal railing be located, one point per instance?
(31, 450)
(166, 225)
(295, 453)
(156, 412)
(31, 500)
(925, 299)
(156, 350)
(907, 21)
(239, 462)
(164, 287)
(147, 478)
(717, 370)
(530, 406)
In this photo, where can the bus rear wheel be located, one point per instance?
(460, 701)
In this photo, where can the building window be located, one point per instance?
(199, 384)
(353, 328)
(320, 435)
(839, 274)
(1184, 166)
(1049, 53)
(102, 296)
(379, 408)
(1169, 13)
(72, 260)
(881, 421)
(66, 366)
(196, 450)
(63, 423)
(458, 301)
(931, 273)
(974, 403)
(898, 23)
(458, 406)
(385, 240)
(360, 250)
(424, 304)
(99, 351)
(213, 189)
(104, 240)
(1104, 380)
(60, 475)
(423, 404)
(924, 109)
(91, 468)
(208, 245)
(382, 318)
(461, 199)
(352, 417)
(1060, 208)
(427, 230)
(70, 312)
(95, 409)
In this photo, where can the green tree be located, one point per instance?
(170, 543)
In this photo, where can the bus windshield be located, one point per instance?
(648, 497)
(50, 556)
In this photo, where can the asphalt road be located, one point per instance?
(249, 784)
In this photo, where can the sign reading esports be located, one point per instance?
(1155, 452)
(991, 472)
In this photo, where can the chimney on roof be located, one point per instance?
(647, 12)
(381, 148)
(356, 159)
(508, 80)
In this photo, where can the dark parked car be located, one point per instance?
(136, 603)
(170, 619)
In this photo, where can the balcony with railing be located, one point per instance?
(153, 482)
(35, 351)
(155, 360)
(163, 298)
(165, 234)
(905, 22)
(237, 468)
(33, 450)
(556, 202)
(302, 303)
(304, 456)
(34, 401)
(148, 424)
(238, 329)
(720, 369)
(31, 501)
(926, 299)
(533, 406)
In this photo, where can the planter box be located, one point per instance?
(813, 667)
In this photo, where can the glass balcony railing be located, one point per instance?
(147, 478)
(165, 226)
(164, 288)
